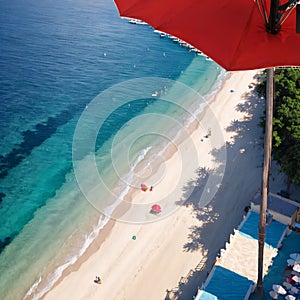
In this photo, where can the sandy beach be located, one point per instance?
(167, 249)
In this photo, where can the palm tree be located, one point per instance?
(265, 176)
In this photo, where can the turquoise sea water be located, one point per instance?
(55, 58)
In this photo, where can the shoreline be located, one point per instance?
(110, 227)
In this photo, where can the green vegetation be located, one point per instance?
(286, 121)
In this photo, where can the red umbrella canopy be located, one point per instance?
(232, 32)
(156, 208)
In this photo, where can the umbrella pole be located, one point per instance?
(265, 177)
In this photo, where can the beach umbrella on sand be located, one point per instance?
(296, 268)
(156, 209)
(144, 187)
(238, 35)
(278, 289)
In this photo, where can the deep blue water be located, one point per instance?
(55, 57)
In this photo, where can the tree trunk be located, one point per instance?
(265, 177)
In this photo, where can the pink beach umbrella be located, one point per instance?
(156, 208)
(144, 188)
(279, 289)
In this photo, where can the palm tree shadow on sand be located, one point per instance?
(236, 186)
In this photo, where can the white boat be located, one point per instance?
(137, 21)
(184, 44)
(195, 50)
(172, 37)
(161, 33)
(176, 40)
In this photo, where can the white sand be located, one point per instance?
(241, 256)
(146, 267)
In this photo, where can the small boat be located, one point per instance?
(184, 44)
(132, 21)
(176, 40)
(137, 21)
(172, 37)
(196, 51)
(161, 33)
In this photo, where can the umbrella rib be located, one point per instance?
(286, 16)
(262, 10)
(291, 8)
